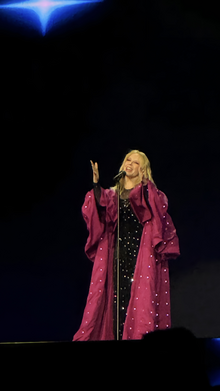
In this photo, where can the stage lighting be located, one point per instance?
(49, 12)
(213, 360)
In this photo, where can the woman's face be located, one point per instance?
(132, 165)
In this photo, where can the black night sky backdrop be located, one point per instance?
(129, 75)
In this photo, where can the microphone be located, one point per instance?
(119, 176)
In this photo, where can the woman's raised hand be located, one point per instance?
(95, 171)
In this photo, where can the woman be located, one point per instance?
(147, 240)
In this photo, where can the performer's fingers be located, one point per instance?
(94, 166)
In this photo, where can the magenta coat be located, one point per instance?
(149, 305)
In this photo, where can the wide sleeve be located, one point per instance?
(95, 225)
(99, 217)
(164, 236)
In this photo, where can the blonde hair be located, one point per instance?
(145, 167)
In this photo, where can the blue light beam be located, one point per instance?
(44, 8)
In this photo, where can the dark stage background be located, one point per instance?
(140, 74)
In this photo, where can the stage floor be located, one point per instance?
(153, 358)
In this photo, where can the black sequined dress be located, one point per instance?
(130, 231)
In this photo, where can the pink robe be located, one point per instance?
(149, 305)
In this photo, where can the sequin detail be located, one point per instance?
(130, 231)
